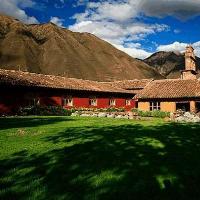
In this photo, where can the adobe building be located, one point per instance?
(21, 89)
(172, 94)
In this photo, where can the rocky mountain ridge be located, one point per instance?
(169, 64)
(49, 49)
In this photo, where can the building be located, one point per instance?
(172, 94)
(20, 89)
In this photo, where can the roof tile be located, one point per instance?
(170, 88)
(20, 78)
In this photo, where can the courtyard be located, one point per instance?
(98, 158)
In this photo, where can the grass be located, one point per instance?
(90, 158)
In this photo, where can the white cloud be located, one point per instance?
(133, 45)
(113, 11)
(119, 36)
(15, 8)
(178, 46)
(106, 30)
(80, 3)
(134, 51)
(127, 9)
(110, 20)
(107, 10)
(117, 33)
(57, 21)
(196, 46)
(114, 22)
(119, 21)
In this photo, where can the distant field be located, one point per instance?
(91, 158)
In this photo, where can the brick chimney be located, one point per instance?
(190, 71)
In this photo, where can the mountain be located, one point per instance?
(169, 64)
(48, 49)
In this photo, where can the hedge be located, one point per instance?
(154, 113)
(44, 111)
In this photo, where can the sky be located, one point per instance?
(137, 27)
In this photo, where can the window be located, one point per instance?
(154, 106)
(128, 102)
(68, 101)
(112, 102)
(93, 101)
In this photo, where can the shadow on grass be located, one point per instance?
(116, 162)
(22, 122)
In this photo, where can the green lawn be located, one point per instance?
(90, 158)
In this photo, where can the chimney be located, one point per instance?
(190, 71)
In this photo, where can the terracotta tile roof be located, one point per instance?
(171, 88)
(19, 78)
(130, 84)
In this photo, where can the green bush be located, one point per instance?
(112, 109)
(154, 113)
(160, 114)
(44, 111)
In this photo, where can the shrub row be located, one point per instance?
(110, 109)
(60, 111)
(44, 110)
(154, 113)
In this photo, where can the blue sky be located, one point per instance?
(138, 27)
